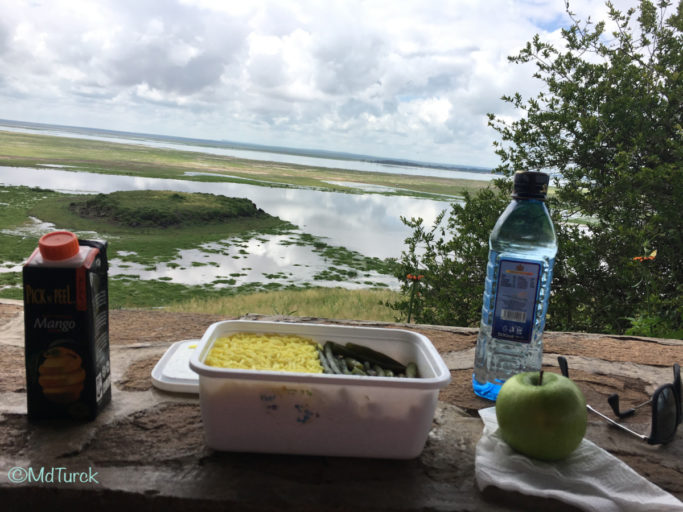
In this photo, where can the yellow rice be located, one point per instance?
(272, 352)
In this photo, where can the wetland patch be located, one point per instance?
(153, 266)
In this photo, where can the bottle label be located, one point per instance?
(513, 314)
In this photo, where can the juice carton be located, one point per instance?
(66, 322)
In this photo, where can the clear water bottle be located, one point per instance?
(522, 249)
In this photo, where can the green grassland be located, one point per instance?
(16, 241)
(29, 150)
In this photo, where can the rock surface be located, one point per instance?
(147, 446)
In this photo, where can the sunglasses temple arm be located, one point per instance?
(619, 425)
(636, 407)
(613, 401)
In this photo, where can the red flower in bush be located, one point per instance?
(652, 256)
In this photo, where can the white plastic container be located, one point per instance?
(321, 414)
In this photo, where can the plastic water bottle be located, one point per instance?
(522, 249)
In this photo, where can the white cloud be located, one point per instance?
(405, 78)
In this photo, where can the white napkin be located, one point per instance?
(590, 478)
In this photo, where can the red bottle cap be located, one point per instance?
(58, 245)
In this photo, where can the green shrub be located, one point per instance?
(609, 122)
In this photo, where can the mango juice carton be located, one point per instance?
(66, 322)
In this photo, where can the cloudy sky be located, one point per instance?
(393, 78)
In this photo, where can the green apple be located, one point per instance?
(542, 415)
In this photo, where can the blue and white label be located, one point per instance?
(513, 314)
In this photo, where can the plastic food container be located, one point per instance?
(321, 414)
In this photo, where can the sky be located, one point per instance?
(411, 79)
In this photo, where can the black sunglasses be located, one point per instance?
(666, 408)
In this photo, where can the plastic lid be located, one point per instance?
(530, 185)
(173, 373)
(58, 245)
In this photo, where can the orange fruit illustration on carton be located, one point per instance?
(61, 375)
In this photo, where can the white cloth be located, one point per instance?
(590, 478)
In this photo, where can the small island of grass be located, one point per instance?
(150, 226)
(164, 208)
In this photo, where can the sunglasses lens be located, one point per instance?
(665, 410)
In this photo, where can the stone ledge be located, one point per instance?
(147, 446)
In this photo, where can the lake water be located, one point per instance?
(366, 223)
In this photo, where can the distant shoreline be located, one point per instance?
(26, 148)
(312, 153)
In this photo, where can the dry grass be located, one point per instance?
(338, 303)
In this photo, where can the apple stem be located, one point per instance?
(540, 378)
